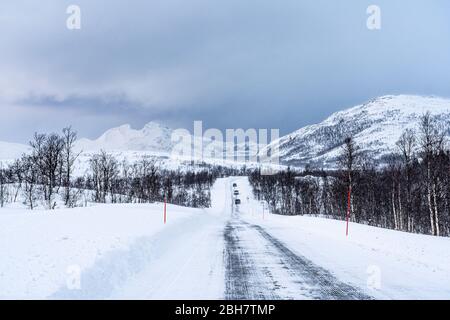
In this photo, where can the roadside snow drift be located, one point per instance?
(90, 253)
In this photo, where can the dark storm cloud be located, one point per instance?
(109, 103)
(261, 63)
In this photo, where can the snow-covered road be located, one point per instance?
(224, 252)
(259, 266)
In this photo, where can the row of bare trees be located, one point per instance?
(409, 191)
(146, 181)
(45, 176)
(43, 171)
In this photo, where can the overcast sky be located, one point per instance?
(231, 63)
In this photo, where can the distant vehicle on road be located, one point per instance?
(234, 185)
(237, 201)
(236, 192)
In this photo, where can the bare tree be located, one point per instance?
(30, 174)
(2, 185)
(52, 160)
(406, 145)
(68, 160)
(393, 169)
(47, 152)
(348, 161)
(105, 169)
(17, 176)
(431, 142)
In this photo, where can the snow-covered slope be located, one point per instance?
(375, 126)
(153, 137)
(10, 151)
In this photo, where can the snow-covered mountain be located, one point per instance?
(154, 137)
(10, 151)
(375, 127)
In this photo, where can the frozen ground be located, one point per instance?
(42, 252)
(125, 251)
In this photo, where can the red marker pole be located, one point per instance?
(348, 207)
(165, 210)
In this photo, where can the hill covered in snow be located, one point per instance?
(152, 137)
(375, 127)
(10, 151)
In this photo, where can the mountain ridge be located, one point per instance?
(375, 126)
(154, 136)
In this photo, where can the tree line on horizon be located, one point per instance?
(410, 192)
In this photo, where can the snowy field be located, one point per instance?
(126, 251)
(42, 252)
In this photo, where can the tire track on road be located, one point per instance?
(259, 266)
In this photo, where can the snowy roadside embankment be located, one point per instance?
(43, 250)
(386, 264)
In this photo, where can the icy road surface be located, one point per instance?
(258, 266)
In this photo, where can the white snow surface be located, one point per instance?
(122, 250)
(10, 151)
(126, 251)
(152, 137)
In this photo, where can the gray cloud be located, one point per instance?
(231, 63)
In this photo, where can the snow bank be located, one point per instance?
(42, 250)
